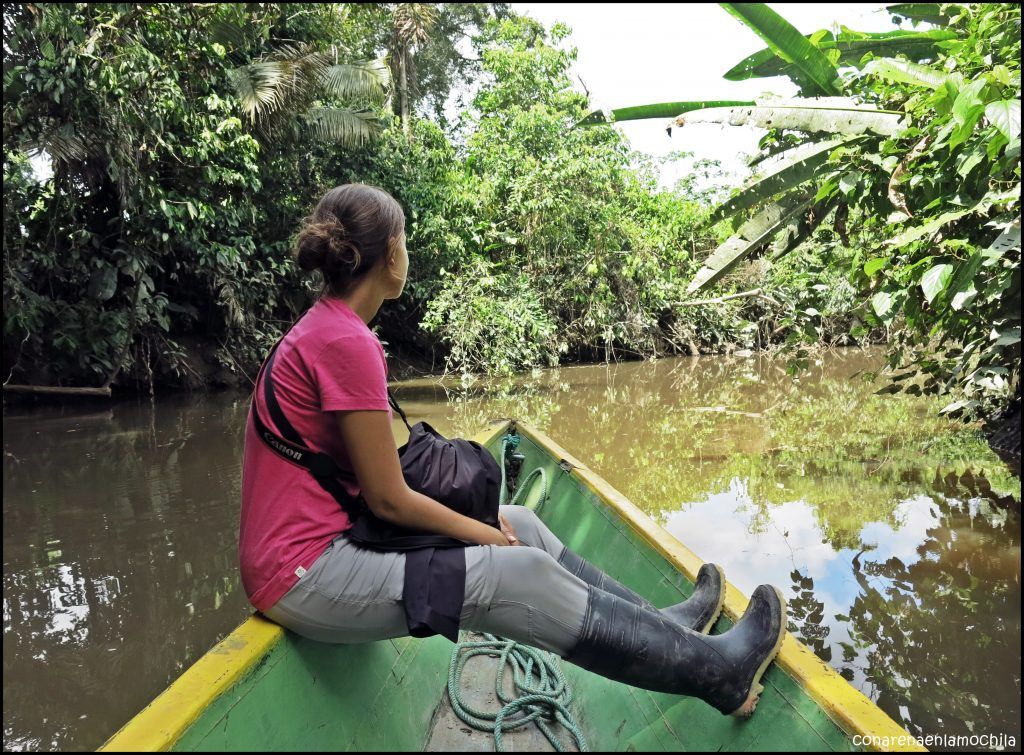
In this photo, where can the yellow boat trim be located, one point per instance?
(163, 722)
(848, 706)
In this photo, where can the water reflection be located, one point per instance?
(119, 561)
(895, 535)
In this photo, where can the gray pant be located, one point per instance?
(351, 594)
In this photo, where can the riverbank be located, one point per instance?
(1003, 435)
(210, 368)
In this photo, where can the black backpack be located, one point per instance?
(459, 473)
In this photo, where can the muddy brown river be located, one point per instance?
(894, 533)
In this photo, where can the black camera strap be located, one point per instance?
(291, 448)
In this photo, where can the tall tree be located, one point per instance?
(413, 24)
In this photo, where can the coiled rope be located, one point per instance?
(542, 695)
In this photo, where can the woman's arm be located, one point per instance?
(371, 448)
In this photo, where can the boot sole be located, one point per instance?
(721, 602)
(756, 688)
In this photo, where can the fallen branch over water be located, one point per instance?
(723, 410)
(718, 300)
(57, 391)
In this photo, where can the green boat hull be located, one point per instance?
(264, 689)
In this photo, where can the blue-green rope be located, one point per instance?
(542, 693)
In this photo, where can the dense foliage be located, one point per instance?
(187, 141)
(946, 273)
(165, 215)
(910, 142)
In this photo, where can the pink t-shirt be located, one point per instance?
(329, 361)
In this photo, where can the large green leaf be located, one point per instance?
(905, 72)
(792, 169)
(882, 303)
(934, 281)
(657, 110)
(967, 110)
(1005, 116)
(813, 71)
(932, 13)
(913, 234)
(852, 46)
(960, 291)
(750, 238)
(802, 115)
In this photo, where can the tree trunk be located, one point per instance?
(57, 391)
(404, 90)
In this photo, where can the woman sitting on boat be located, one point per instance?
(301, 569)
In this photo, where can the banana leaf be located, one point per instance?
(807, 118)
(657, 110)
(750, 238)
(904, 72)
(794, 168)
(852, 46)
(932, 13)
(813, 72)
(800, 227)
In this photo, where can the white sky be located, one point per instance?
(643, 53)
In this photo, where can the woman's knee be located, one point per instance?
(528, 597)
(527, 574)
(519, 515)
(531, 529)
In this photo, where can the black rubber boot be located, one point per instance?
(629, 644)
(699, 612)
(702, 609)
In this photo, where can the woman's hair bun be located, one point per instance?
(348, 235)
(323, 244)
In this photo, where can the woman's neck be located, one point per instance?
(364, 301)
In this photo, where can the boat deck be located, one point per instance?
(449, 733)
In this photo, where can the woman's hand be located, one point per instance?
(508, 531)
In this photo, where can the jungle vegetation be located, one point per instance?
(186, 141)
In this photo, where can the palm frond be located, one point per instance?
(263, 87)
(348, 128)
(414, 22)
(357, 81)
